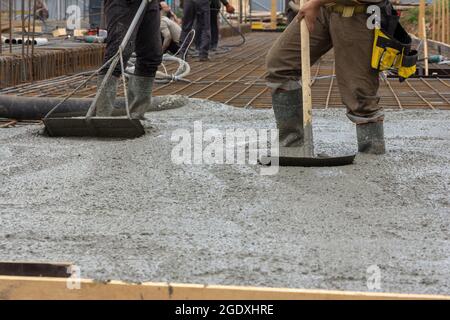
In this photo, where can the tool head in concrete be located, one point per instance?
(107, 127)
(316, 161)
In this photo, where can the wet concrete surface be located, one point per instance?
(123, 210)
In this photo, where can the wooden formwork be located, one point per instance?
(47, 288)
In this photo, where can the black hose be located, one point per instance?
(27, 108)
(236, 30)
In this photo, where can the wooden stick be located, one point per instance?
(447, 19)
(1, 43)
(425, 45)
(443, 22)
(433, 25)
(306, 87)
(421, 17)
(273, 15)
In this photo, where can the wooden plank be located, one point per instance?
(56, 288)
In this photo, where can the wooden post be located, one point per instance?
(425, 45)
(421, 17)
(1, 43)
(10, 24)
(447, 17)
(306, 87)
(273, 15)
(443, 22)
(433, 24)
(241, 14)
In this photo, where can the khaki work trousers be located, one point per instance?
(352, 42)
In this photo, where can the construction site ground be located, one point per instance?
(123, 210)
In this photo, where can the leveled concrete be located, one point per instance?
(123, 210)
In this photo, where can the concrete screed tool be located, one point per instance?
(304, 156)
(91, 126)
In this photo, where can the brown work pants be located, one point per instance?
(352, 42)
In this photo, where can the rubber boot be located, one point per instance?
(288, 110)
(105, 102)
(139, 95)
(371, 138)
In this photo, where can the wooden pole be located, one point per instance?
(425, 45)
(10, 25)
(273, 15)
(433, 25)
(421, 17)
(447, 19)
(1, 42)
(306, 87)
(443, 22)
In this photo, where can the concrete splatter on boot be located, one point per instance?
(105, 102)
(371, 138)
(139, 95)
(288, 110)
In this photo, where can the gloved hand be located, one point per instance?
(230, 8)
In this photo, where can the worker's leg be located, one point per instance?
(284, 69)
(214, 28)
(119, 14)
(189, 9)
(358, 82)
(148, 58)
(203, 20)
(148, 42)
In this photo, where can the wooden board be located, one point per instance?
(57, 288)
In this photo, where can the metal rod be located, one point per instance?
(32, 41)
(22, 16)
(29, 27)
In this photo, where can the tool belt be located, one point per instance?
(392, 46)
(347, 11)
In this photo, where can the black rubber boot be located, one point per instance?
(139, 95)
(288, 110)
(105, 102)
(371, 138)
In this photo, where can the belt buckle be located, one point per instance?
(348, 11)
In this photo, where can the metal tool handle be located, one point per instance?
(306, 87)
(116, 60)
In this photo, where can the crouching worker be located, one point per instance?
(170, 33)
(145, 42)
(342, 25)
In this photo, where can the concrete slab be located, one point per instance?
(123, 210)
